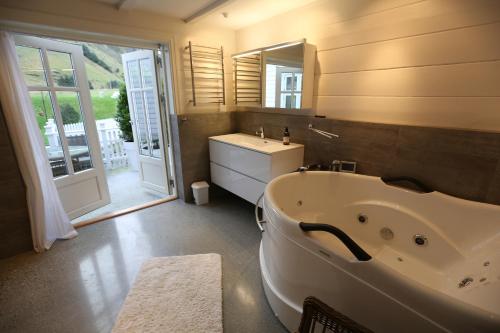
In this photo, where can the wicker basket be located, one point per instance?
(319, 317)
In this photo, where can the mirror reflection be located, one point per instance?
(282, 77)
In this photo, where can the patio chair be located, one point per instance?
(319, 317)
(58, 167)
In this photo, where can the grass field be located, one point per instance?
(99, 77)
(103, 104)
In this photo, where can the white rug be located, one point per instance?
(175, 294)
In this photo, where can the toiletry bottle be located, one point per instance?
(286, 137)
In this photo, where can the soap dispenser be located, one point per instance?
(286, 137)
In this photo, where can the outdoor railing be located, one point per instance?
(113, 153)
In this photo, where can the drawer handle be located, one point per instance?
(258, 219)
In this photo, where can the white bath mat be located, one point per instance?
(175, 294)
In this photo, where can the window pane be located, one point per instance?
(44, 113)
(140, 123)
(286, 81)
(286, 100)
(154, 122)
(298, 82)
(74, 129)
(147, 73)
(133, 74)
(61, 68)
(30, 61)
(271, 84)
(297, 100)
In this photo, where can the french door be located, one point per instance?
(147, 125)
(55, 74)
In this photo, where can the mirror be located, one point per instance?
(275, 77)
(282, 71)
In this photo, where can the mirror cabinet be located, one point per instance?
(276, 77)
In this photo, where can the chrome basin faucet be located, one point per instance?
(261, 132)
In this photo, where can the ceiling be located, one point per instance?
(240, 13)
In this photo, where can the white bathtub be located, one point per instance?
(404, 287)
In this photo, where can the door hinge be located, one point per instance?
(171, 182)
(159, 62)
(162, 98)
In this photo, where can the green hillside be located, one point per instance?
(106, 73)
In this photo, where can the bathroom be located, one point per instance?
(391, 112)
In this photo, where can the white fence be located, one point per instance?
(113, 154)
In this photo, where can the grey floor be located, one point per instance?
(80, 284)
(120, 181)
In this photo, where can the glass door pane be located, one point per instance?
(153, 123)
(30, 60)
(140, 123)
(74, 129)
(44, 113)
(61, 69)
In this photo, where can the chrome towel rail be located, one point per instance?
(324, 133)
(202, 64)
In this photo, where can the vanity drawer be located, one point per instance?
(243, 186)
(254, 164)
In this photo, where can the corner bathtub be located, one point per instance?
(451, 283)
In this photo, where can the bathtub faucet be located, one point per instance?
(261, 132)
(335, 166)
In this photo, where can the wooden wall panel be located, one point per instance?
(419, 111)
(474, 44)
(430, 63)
(467, 79)
(15, 232)
(421, 18)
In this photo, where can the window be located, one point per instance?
(283, 86)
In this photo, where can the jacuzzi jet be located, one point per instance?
(420, 240)
(362, 218)
(486, 264)
(299, 203)
(386, 233)
(465, 282)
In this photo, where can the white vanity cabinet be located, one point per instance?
(243, 164)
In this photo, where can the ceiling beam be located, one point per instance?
(204, 11)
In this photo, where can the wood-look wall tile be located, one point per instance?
(15, 230)
(457, 162)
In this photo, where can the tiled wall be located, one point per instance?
(15, 232)
(190, 134)
(465, 164)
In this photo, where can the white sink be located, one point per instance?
(266, 146)
(244, 164)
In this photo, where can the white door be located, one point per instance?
(55, 74)
(143, 101)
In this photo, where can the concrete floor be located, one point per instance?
(80, 284)
(125, 191)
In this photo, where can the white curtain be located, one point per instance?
(48, 219)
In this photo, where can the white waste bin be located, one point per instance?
(200, 192)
